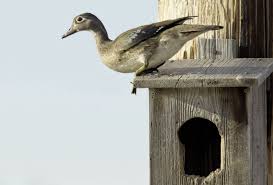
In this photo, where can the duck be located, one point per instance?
(142, 49)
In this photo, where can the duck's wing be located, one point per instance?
(133, 37)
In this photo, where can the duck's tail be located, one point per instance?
(185, 28)
(190, 31)
(214, 27)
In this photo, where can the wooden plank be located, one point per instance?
(208, 73)
(270, 129)
(255, 35)
(171, 108)
(256, 102)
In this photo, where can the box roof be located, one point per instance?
(238, 72)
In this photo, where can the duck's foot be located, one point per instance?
(152, 70)
(148, 71)
(134, 90)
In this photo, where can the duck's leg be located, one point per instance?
(151, 70)
(138, 73)
(144, 60)
(141, 69)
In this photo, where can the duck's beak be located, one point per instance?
(69, 32)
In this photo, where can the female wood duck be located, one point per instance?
(140, 49)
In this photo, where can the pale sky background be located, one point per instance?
(66, 119)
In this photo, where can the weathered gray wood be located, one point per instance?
(270, 129)
(256, 26)
(216, 48)
(209, 12)
(256, 40)
(208, 73)
(171, 108)
(257, 127)
(249, 22)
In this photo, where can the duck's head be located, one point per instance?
(85, 22)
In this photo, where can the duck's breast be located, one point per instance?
(124, 63)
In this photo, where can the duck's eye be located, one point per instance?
(79, 19)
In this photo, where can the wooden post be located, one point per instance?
(248, 22)
(209, 12)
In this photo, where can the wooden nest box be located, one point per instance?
(208, 121)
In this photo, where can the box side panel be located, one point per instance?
(257, 119)
(171, 108)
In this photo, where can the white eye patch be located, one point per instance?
(79, 19)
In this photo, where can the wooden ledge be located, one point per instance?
(237, 72)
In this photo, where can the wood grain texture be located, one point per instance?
(209, 12)
(256, 102)
(255, 36)
(216, 48)
(225, 107)
(269, 101)
(208, 73)
(249, 22)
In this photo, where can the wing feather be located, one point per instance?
(134, 36)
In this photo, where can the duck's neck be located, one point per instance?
(101, 36)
